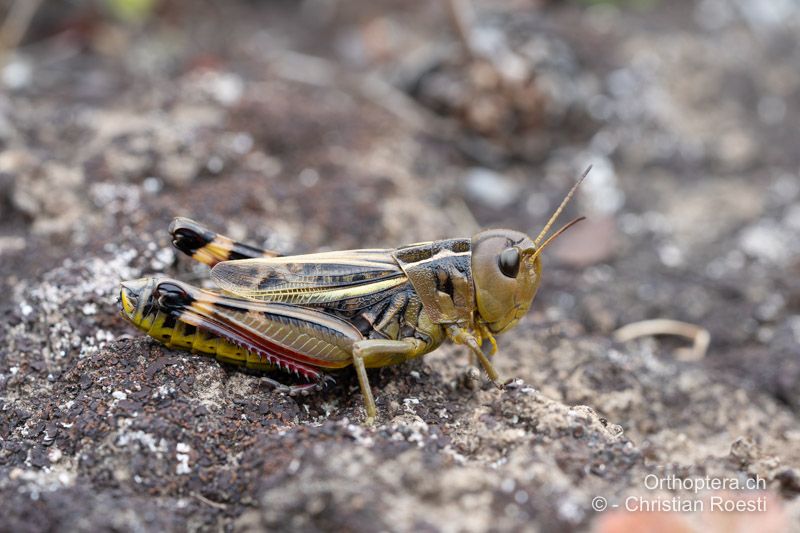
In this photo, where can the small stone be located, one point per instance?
(490, 188)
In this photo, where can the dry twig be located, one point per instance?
(700, 337)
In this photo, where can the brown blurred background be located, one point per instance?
(333, 124)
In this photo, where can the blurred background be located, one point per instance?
(334, 124)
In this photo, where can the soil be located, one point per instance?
(336, 125)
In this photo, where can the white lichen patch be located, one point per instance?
(145, 440)
(410, 428)
(182, 455)
(25, 308)
(44, 480)
(61, 313)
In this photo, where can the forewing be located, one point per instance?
(311, 279)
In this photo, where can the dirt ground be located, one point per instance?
(328, 125)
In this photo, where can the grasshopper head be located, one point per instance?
(506, 273)
(507, 269)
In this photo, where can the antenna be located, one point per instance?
(558, 211)
(564, 228)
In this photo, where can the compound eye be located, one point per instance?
(509, 262)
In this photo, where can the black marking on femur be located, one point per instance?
(244, 251)
(171, 296)
(236, 255)
(189, 237)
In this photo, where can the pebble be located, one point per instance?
(766, 241)
(490, 188)
(17, 74)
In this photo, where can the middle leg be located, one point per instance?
(380, 352)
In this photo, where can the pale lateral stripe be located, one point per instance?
(326, 295)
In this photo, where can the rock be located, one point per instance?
(691, 218)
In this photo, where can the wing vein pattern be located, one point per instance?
(313, 279)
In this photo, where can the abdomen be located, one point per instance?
(176, 334)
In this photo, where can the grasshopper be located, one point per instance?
(312, 314)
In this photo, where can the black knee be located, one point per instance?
(188, 236)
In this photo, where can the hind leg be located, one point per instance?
(202, 244)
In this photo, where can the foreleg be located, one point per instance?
(461, 336)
